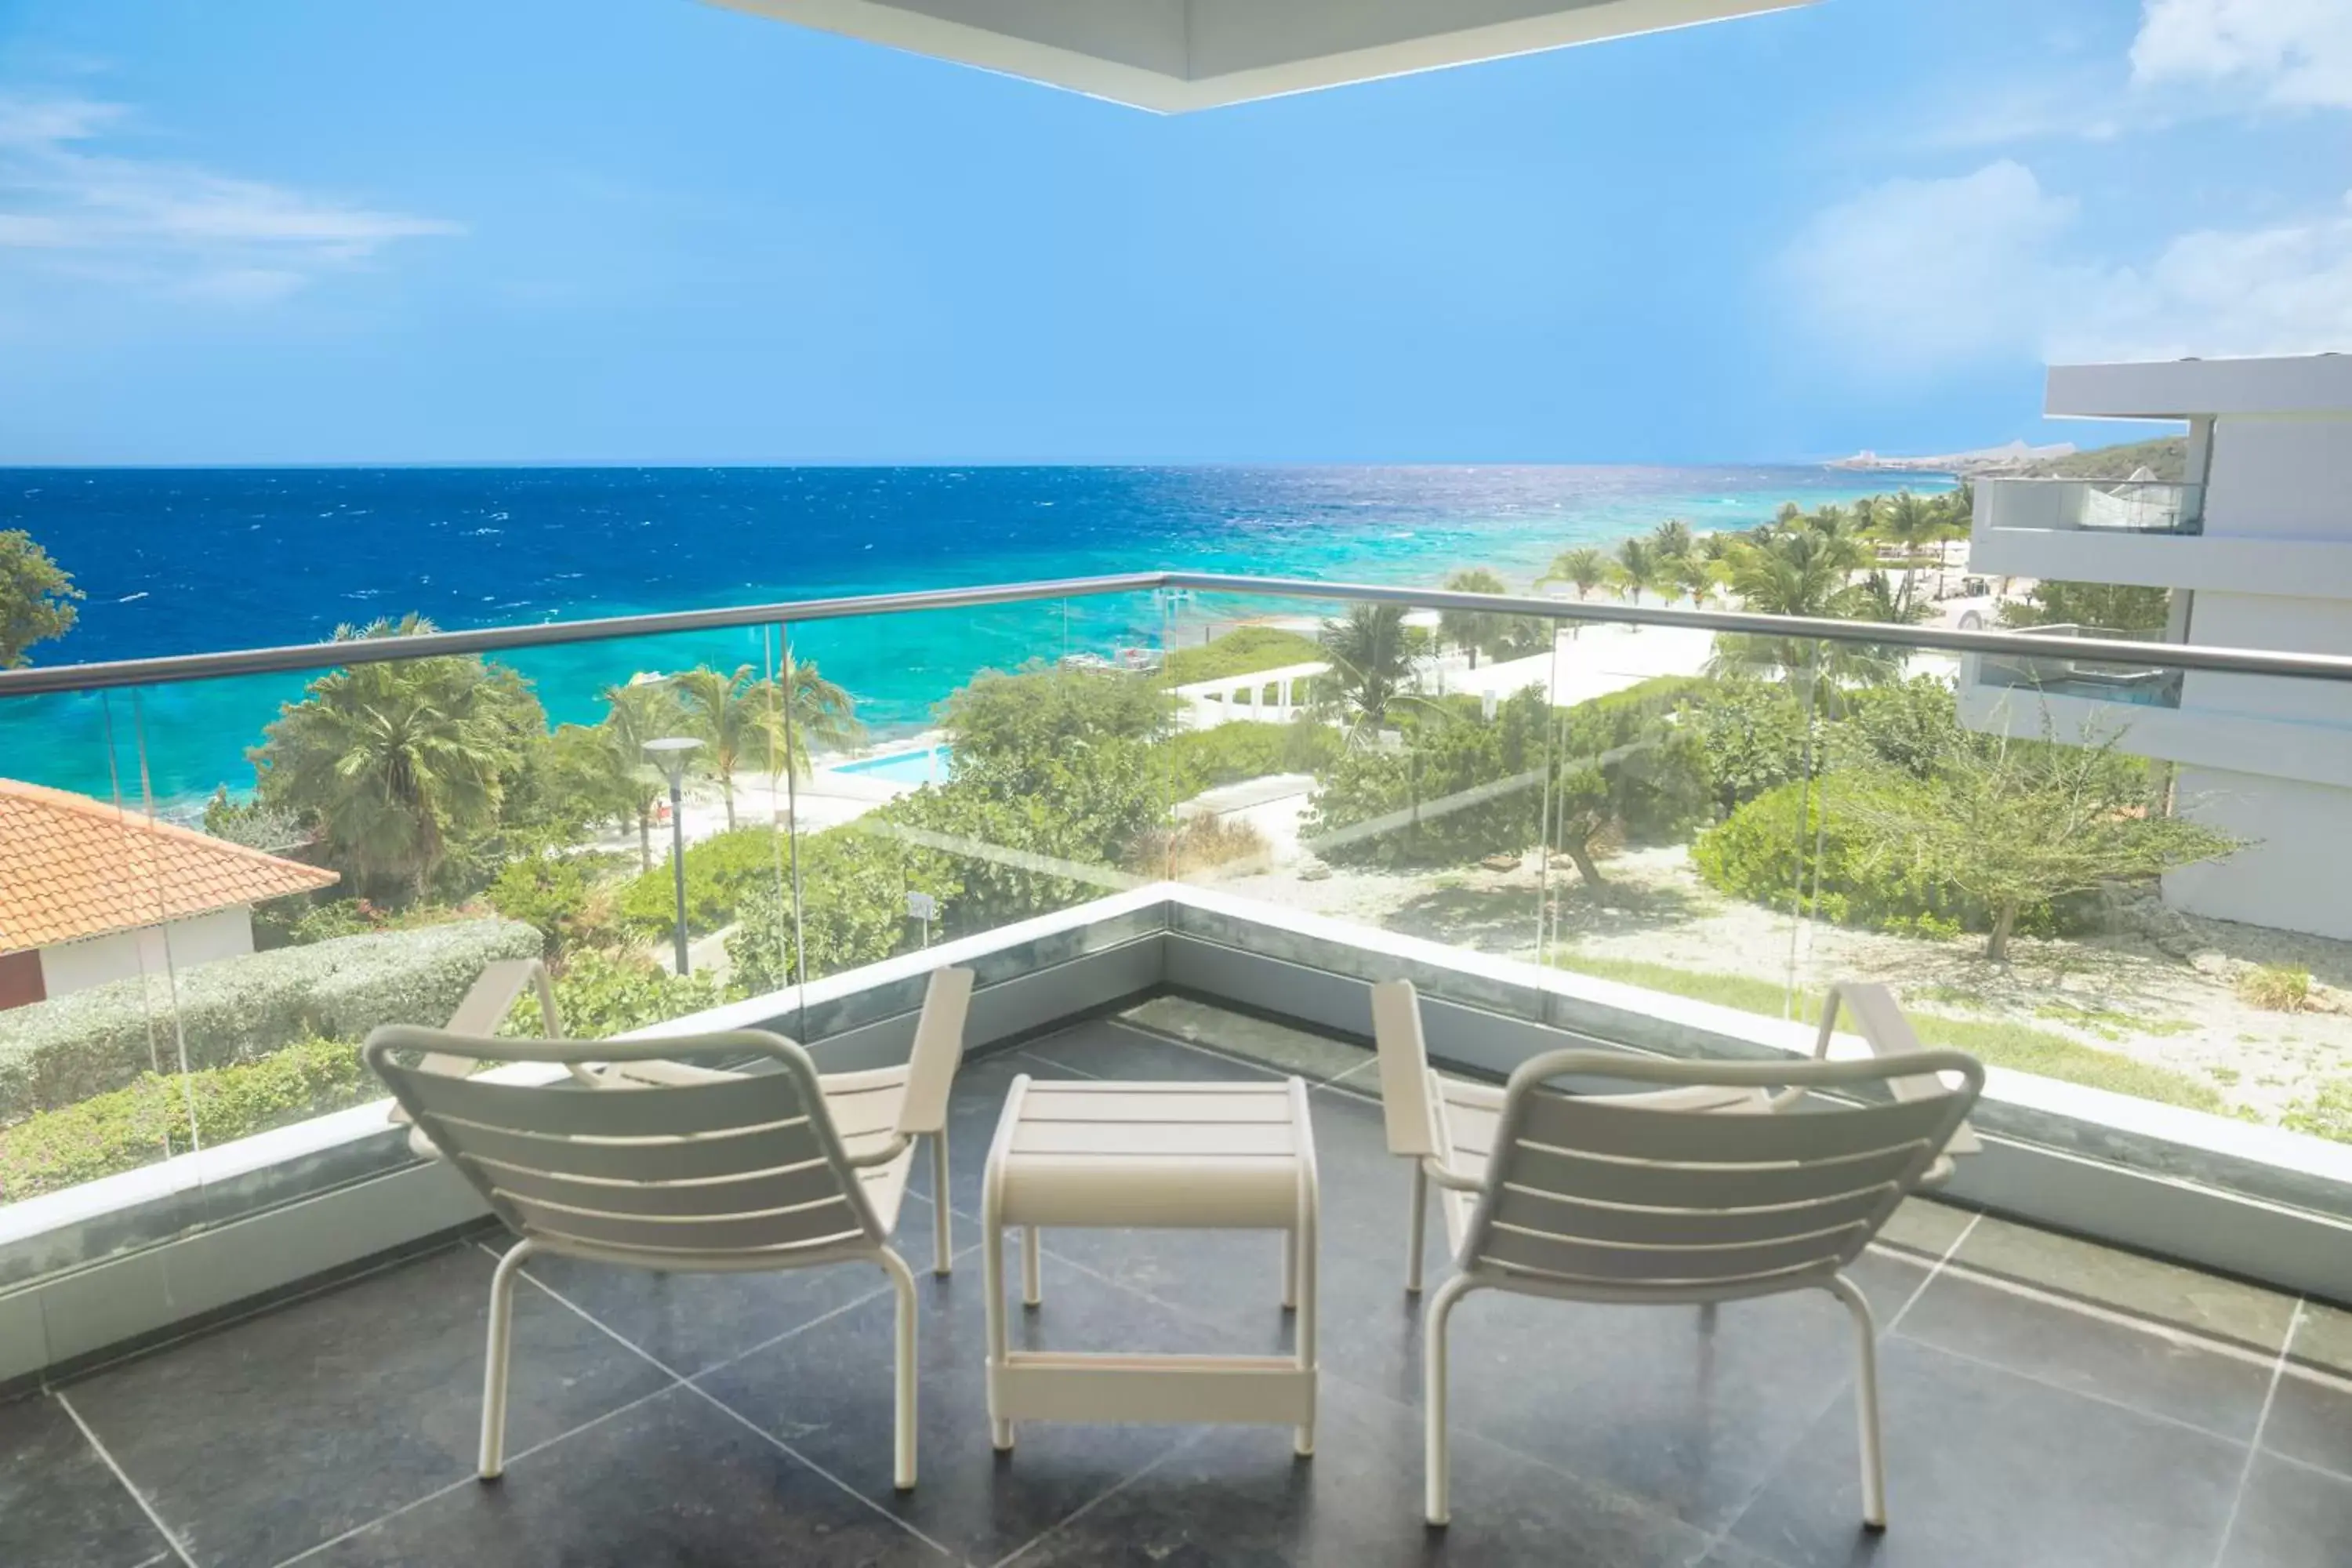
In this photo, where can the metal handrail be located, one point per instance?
(182, 667)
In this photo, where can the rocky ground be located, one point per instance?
(2159, 986)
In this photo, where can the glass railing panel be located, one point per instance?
(982, 767)
(1385, 765)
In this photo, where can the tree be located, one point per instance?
(819, 712)
(2103, 606)
(2017, 823)
(1371, 659)
(1638, 565)
(1909, 522)
(1014, 728)
(1584, 566)
(740, 718)
(558, 895)
(1473, 630)
(400, 760)
(1800, 569)
(1671, 538)
(1692, 574)
(36, 597)
(634, 713)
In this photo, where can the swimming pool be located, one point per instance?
(926, 765)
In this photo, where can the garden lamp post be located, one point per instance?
(670, 755)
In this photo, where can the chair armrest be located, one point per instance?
(480, 1011)
(1888, 1033)
(939, 1051)
(1405, 1101)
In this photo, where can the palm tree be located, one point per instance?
(1909, 521)
(1671, 538)
(1471, 629)
(739, 717)
(1372, 661)
(1800, 571)
(1584, 566)
(396, 760)
(1692, 574)
(639, 711)
(818, 711)
(1637, 565)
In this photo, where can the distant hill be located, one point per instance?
(2166, 458)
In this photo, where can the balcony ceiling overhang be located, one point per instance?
(1172, 56)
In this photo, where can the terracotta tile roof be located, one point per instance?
(72, 867)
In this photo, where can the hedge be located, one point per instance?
(127, 1128)
(66, 1049)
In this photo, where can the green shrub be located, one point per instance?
(602, 993)
(140, 1123)
(2277, 987)
(67, 1048)
(853, 887)
(1764, 852)
(1242, 651)
(721, 873)
(1233, 752)
(2326, 1113)
(557, 896)
(1415, 795)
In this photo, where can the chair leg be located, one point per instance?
(992, 1268)
(943, 1244)
(1865, 1401)
(902, 1458)
(1032, 1286)
(494, 1372)
(1416, 1229)
(1290, 1270)
(1433, 1363)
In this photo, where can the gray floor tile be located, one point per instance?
(1984, 1466)
(1315, 1057)
(279, 1432)
(673, 1482)
(692, 1321)
(1925, 1227)
(60, 1507)
(1237, 1495)
(1107, 1049)
(2164, 1372)
(2310, 1413)
(827, 1392)
(2291, 1517)
(2245, 1315)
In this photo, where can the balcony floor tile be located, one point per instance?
(2062, 1426)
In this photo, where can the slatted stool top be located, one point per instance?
(1192, 1156)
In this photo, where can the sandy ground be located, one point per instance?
(2120, 993)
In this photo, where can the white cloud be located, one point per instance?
(2296, 52)
(1917, 277)
(179, 229)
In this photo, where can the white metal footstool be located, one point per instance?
(1189, 1156)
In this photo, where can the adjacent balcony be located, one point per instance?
(2064, 674)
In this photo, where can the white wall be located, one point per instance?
(2271, 621)
(2280, 478)
(2297, 876)
(78, 965)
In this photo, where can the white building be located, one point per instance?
(89, 894)
(2256, 547)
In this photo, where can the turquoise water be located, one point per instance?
(185, 561)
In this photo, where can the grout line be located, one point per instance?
(464, 1481)
(1180, 1445)
(720, 1404)
(1772, 1471)
(969, 1249)
(1943, 1262)
(1057, 1066)
(757, 1430)
(2254, 1443)
(1336, 1079)
(2178, 1335)
(2312, 1465)
(136, 1495)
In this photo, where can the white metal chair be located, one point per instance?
(1447, 1128)
(1717, 1185)
(644, 1155)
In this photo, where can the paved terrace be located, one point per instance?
(2047, 1402)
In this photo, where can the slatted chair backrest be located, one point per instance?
(699, 1174)
(1604, 1196)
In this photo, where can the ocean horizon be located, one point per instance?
(175, 561)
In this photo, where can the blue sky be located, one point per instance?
(659, 231)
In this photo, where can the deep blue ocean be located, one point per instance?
(196, 559)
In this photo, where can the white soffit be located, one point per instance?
(1176, 55)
